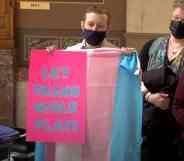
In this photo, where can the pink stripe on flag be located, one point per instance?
(101, 83)
(50, 151)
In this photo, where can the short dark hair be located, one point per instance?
(98, 10)
(178, 3)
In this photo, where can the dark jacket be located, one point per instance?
(157, 123)
(178, 105)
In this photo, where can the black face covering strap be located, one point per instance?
(177, 29)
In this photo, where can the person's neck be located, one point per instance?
(89, 46)
(92, 46)
(174, 47)
(177, 42)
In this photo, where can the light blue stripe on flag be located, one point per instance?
(127, 114)
(39, 151)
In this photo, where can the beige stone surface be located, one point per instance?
(21, 97)
(148, 16)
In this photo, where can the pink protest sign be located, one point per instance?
(57, 96)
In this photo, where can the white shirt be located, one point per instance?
(83, 44)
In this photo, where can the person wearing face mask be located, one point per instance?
(95, 25)
(162, 62)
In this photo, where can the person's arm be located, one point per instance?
(159, 100)
(178, 103)
(143, 56)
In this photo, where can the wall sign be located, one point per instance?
(34, 5)
(66, 1)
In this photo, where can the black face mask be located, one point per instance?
(94, 37)
(177, 29)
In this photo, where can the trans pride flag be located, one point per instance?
(113, 112)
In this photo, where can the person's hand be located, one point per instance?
(160, 100)
(51, 48)
(127, 50)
